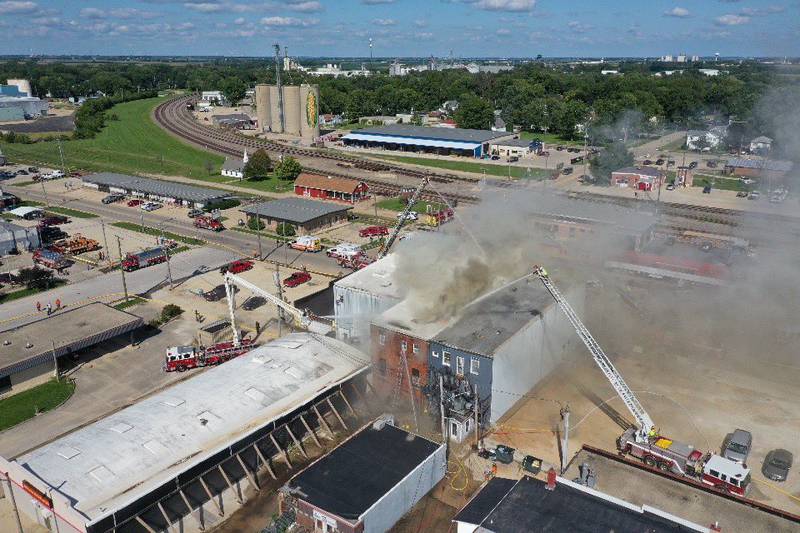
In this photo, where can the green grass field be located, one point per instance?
(398, 204)
(20, 407)
(74, 213)
(270, 184)
(157, 233)
(130, 302)
(475, 168)
(133, 144)
(725, 184)
(548, 138)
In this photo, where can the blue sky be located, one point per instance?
(513, 28)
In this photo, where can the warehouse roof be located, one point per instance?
(376, 278)
(400, 318)
(441, 134)
(24, 210)
(489, 321)
(593, 212)
(294, 210)
(115, 461)
(767, 164)
(572, 507)
(169, 189)
(327, 183)
(485, 500)
(360, 471)
(642, 171)
(74, 329)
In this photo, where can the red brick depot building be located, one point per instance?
(330, 188)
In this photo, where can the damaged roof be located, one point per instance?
(492, 319)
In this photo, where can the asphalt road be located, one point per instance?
(241, 244)
(108, 287)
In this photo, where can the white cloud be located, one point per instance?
(92, 13)
(384, 22)
(503, 31)
(287, 22)
(305, 6)
(680, 12)
(130, 13)
(17, 7)
(732, 20)
(239, 21)
(205, 7)
(377, 2)
(506, 5)
(758, 11)
(578, 27)
(421, 23)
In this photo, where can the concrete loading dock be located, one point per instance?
(185, 452)
(27, 352)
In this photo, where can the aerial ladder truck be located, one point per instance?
(643, 441)
(403, 217)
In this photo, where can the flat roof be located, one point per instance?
(376, 278)
(489, 321)
(528, 506)
(412, 141)
(113, 462)
(485, 500)
(431, 133)
(522, 143)
(361, 470)
(72, 330)
(595, 212)
(399, 318)
(24, 210)
(643, 171)
(295, 210)
(767, 164)
(169, 189)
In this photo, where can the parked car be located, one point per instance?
(693, 164)
(373, 231)
(567, 171)
(135, 202)
(495, 158)
(647, 162)
(670, 186)
(236, 267)
(254, 302)
(22, 172)
(513, 159)
(737, 446)
(53, 220)
(741, 194)
(659, 161)
(711, 163)
(151, 206)
(217, 293)
(560, 148)
(777, 464)
(297, 278)
(111, 198)
(33, 169)
(194, 213)
(754, 195)
(707, 189)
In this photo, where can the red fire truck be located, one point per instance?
(147, 258)
(356, 261)
(182, 358)
(50, 259)
(208, 223)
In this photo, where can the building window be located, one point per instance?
(446, 358)
(382, 366)
(381, 339)
(414, 347)
(415, 376)
(459, 365)
(435, 354)
(404, 346)
(474, 365)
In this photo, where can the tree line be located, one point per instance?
(535, 96)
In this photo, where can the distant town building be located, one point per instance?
(510, 147)
(18, 103)
(709, 71)
(334, 70)
(307, 216)
(760, 145)
(609, 72)
(758, 168)
(233, 167)
(330, 120)
(398, 69)
(15, 239)
(239, 121)
(703, 140)
(330, 188)
(641, 178)
(213, 97)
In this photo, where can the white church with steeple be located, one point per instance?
(233, 167)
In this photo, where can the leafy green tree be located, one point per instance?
(474, 112)
(258, 166)
(256, 224)
(35, 277)
(288, 169)
(286, 230)
(234, 91)
(613, 158)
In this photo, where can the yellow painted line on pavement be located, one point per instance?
(778, 489)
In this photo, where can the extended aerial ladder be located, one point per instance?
(643, 419)
(303, 319)
(403, 217)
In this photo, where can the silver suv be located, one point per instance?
(737, 446)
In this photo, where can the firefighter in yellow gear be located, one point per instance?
(652, 434)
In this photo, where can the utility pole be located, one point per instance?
(281, 312)
(13, 503)
(166, 251)
(585, 151)
(477, 427)
(121, 269)
(105, 240)
(55, 362)
(61, 155)
(565, 447)
(44, 191)
(441, 412)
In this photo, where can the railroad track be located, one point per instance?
(175, 118)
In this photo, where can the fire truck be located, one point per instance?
(147, 258)
(437, 218)
(643, 441)
(355, 261)
(50, 259)
(182, 358)
(203, 222)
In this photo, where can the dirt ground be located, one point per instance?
(699, 368)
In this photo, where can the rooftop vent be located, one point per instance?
(101, 473)
(173, 402)
(68, 452)
(122, 427)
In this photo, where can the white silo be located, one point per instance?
(275, 113)
(263, 111)
(291, 107)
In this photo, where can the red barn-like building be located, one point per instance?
(330, 188)
(640, 178)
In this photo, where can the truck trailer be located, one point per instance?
(153, 256)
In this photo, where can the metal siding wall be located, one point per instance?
(531, 354)
(263, 109)
(354, 309)
(403, 496)
(484, 378)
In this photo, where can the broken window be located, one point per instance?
(446, 358)
(382, 366)
(415, 376)
(474, 365)
(404, 346)
(459, 365)
(381, 339)
(414, 347)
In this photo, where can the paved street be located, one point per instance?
(108, 287)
